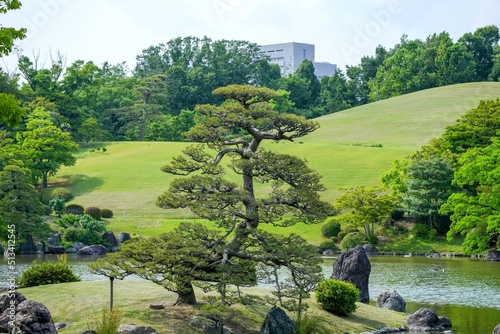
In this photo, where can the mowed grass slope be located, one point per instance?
(345, 151)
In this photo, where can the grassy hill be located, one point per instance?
(353, 147)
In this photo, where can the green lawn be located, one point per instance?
(79, 302)
(127, 178)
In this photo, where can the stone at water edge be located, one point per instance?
(93, 250)
(426, 319)
(122, 237)
(391, 300)
(354, 267)
(493, 255)
(110, 239)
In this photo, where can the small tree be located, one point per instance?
(369, 206)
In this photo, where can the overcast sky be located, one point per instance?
(343, 31)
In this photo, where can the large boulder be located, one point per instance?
(28, 247)
(277, 322)
(78, 245)
(124, 236)
(493, 255)
(426, 320)
(93, 250)
(134, 329)
(56, 250)
(496, 330)
(391, 300)
(30, 317)
(110, 239)
(353, 266)
(7, 311)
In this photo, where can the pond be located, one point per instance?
(463, 289)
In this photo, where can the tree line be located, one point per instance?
(155, 100)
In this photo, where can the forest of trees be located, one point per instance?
(155, 100)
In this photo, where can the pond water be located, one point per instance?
(465, 290)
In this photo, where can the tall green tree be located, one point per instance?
(46, 146)
(20, 203)
(482, 44)
(9, 35)
(234, 132)
(428, 184)
(307, 71)
(475, 212)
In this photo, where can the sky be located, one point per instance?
(342, 31)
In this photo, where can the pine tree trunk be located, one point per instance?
(187, 295)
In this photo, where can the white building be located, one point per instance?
(289, 56)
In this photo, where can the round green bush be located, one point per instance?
(330, 229)
(328, 244)
(75, 209)
(106, 213)
(352, 240)
(47, 273)
(72, 234)
(60, 192)
(336, 296)
(341, 236)
(420, 230)
(94, 212)
(432, 234)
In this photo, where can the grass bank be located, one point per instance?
(79, 302)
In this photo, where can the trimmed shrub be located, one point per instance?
(352, 240)
(60, 192)
(432, 234)
(420, 230)
(48, 273)
(75, 209)
(72, 234)
(106, 213)
(330, 229)
(94, 212)
(329, 244)
(337, 296)
(57, 205)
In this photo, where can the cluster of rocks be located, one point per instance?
(53, 247)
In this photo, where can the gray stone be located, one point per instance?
(134, 329)
(28, 247)
(496, 330)
(39, 252)
(445, 322)
(122, 237)
(78, 245)
(353, 266)
(34, 318)
(425, 320)
(56, 250)
(391, 300)
(329, 252)
(6, 310)
(370, 249)
(54, 239)
(39, 246)
(493, 255)
(277, 322)
(110, 239)
(71, 250)
(93, 250)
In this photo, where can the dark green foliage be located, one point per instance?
(432, 234)
(352, 240)
(48, 273)
(82, 228)
(330, 228)
(420, 230)
(75, 209)
(329, 244)
(106, 213)
(336, 296)
(94, 212)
